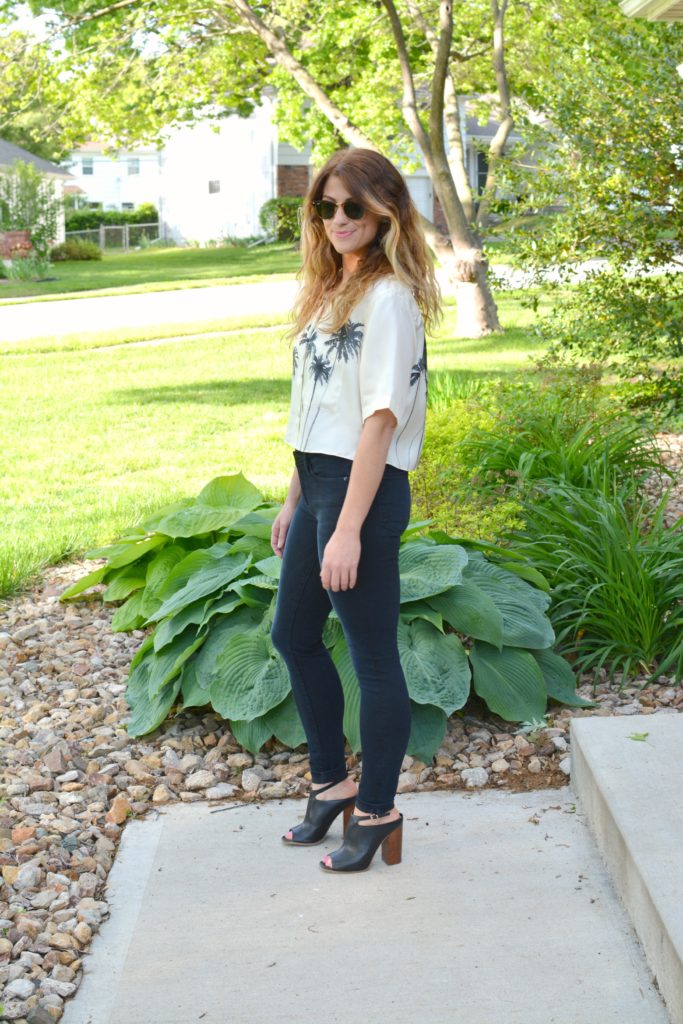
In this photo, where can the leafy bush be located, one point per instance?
(616, 576)
(538, 439)
(280, 217)
(75, 249)
(442, 487)
(29, 202)
(84, 220)
(201, 573)
(31, 267)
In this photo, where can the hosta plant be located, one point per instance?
(202, 577)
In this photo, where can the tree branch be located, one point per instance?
(498, 141)
(409, 101)
(306, 82)
(456, 151)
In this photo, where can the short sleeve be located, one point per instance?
(389, 351)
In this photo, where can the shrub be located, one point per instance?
(85, 220)
(617, 578)
(29, 267)
(75, 249)
(29, 202)
(442, 487)
(201, 574)
(280, 217)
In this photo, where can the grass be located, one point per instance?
(157, 270)
(95, 440)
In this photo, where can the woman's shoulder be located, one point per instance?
(389, 289)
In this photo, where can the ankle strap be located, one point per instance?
(328, 785)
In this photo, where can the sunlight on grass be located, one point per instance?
(158, 270)
(95, 440)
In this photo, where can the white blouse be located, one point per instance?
(376, 360)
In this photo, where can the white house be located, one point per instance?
(210, 180)
(115, 181)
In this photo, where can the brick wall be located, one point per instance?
(8, 240)
(292, 180)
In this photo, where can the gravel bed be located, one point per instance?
(71, 775)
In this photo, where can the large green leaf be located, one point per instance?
(132, 552)
(129, 615)
(510, 681)
(341, 656)
(147, 713)
(332, 632)
(167, 663)
(194, 561)
(285, 723)
(211, 577)
(257, 524)
(468, 609)
(251, 735)
(249, 677)
(427, 731)
(158, 571)
(524, 622)
(123, 584)
(258, 549)
(240, 620)
(84, 583)
(560, 680)
(194, 696)
(435, 665)
(421, 610)
(219, 505)
(428, 569)
(480, 570)
(152, 523)
(270, 566)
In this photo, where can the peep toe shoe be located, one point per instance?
(361, 843)
(319, 816)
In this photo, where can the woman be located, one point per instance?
(356, 424)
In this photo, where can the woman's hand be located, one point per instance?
(281, 524)
(340, 560)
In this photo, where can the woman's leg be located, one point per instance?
(302, 608)
(369, 614)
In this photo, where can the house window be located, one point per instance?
(133, 164)
(87, 165)
(127, 206)
(482, 171)
(214, 186)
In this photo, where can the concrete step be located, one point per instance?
(631, 792)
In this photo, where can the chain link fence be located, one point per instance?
(119, 236)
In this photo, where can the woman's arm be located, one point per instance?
(278, 534)
(342, 551)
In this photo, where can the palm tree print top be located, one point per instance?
(376, 360)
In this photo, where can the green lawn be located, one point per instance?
(95, 439)
(158, 270)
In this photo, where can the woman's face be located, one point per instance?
(349, 237)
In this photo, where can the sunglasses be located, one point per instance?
(327, 209)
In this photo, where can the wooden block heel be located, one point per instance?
(392, 845)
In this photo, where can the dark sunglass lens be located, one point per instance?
(326, 209)
(352, 209)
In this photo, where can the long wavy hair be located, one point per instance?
(399, 247)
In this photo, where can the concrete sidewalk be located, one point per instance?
(501, 910)
(56, 318)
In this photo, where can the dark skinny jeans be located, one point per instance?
(368, 614)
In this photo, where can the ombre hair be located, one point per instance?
(398, 248)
